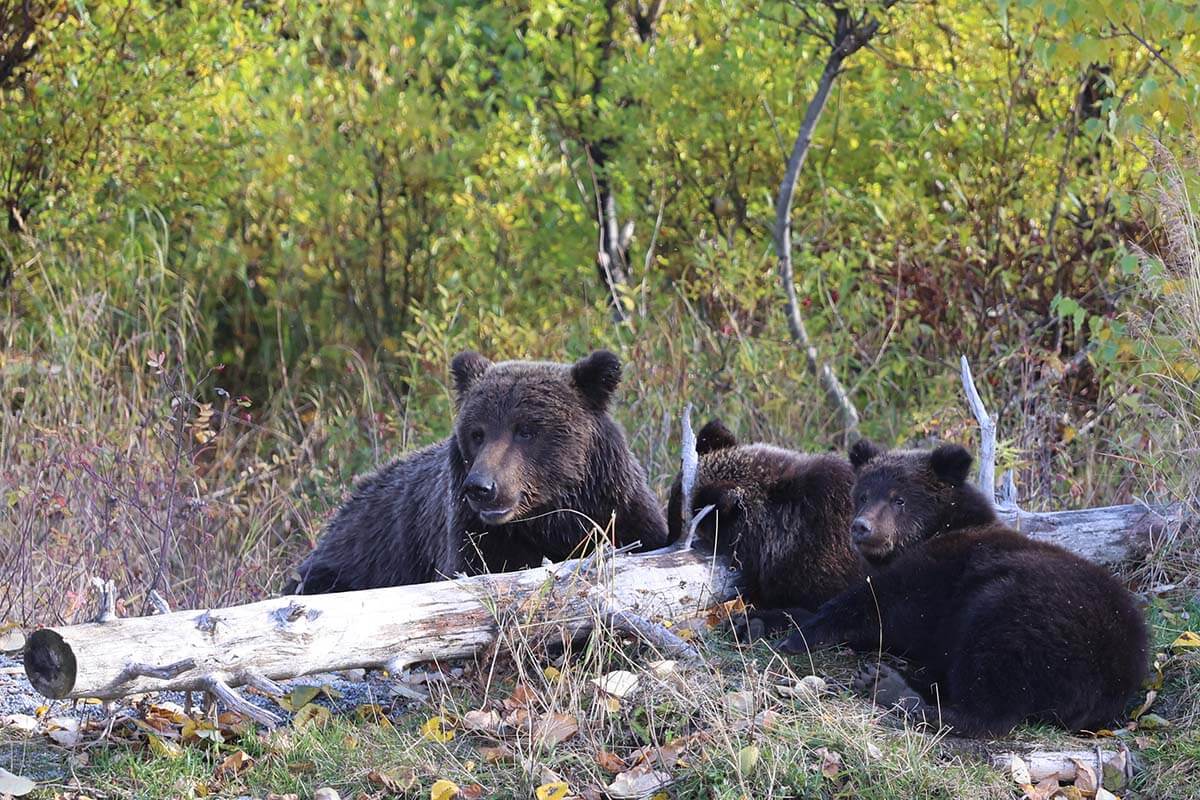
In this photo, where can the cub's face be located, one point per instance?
(901, 497)
(524, 431)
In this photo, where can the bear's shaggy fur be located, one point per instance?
(997, 629)
(534, 457)
(782, 517)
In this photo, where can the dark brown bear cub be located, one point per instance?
(997, 628)
(533, 457)
(782, 517)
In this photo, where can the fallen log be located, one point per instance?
(1111, 535)
(286, 637)
(217, 649)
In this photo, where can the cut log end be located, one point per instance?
(50, 664)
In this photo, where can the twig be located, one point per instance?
(107, 610)
(987, 434)
(653, 633)
(159, 602)
(235, 702)
(689, 465)
(261, 682)
(1158, 56)
(164, 673)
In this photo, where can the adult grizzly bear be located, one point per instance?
(997, 629)
(782, 517)
(534, 457)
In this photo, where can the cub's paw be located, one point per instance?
(747, 627)
(796, 643)
(887, 687)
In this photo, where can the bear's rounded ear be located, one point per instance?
(861, 452)
(714, 436)
(950, 463)
(596, 376)
(467, 367)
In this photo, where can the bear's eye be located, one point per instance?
(898, 501)
(523, 432)
(477, 436)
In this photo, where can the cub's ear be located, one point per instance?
(596, 376)
(467, 367)
(950, 463)
(861, 452)
(714, 436)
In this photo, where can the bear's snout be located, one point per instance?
(480, 488)
(861, 529)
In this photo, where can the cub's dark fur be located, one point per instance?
(534, 451)
(783, 518)
(997, 629)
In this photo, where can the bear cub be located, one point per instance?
(533, 458)
(997, 629)
(783, 518)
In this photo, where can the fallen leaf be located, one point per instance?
(747, 758)
(618, 683)
(740, 702)
(1019, 770)
(1066, 793)
(64, 730)
(663, 669)
(552, 673)
(831, 762)
(235, 764)
(311, 715)
(326, 793)
(611, 762)
(273, 796)
(552, 791)
(12, 637)
(1104, 794)
(396, 784)
(1085, 777)
(15, 785)
(493, 754)
(721, 613)
(372, 713)
(873, 751)
(1152, 722)
(438, 729)
(1188, 640)
(1045, 790)
(443, 790)
(19, 722)
(164, 747)
(521, 697)
(550, 729)
(1151, 696)
(472, 792)
(480, 720)
(638, 782)
(299, 697)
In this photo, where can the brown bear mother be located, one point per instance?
(997, 628)
(534, 459)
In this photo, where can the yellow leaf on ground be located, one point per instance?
(311, 715)
(164, 747)
(443, 790)
(1188, 640)
(439, 729)
(553, 791)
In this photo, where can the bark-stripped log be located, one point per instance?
(290, 636)
(1110, 535)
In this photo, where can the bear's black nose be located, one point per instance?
(480, 488)
(860, 529)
